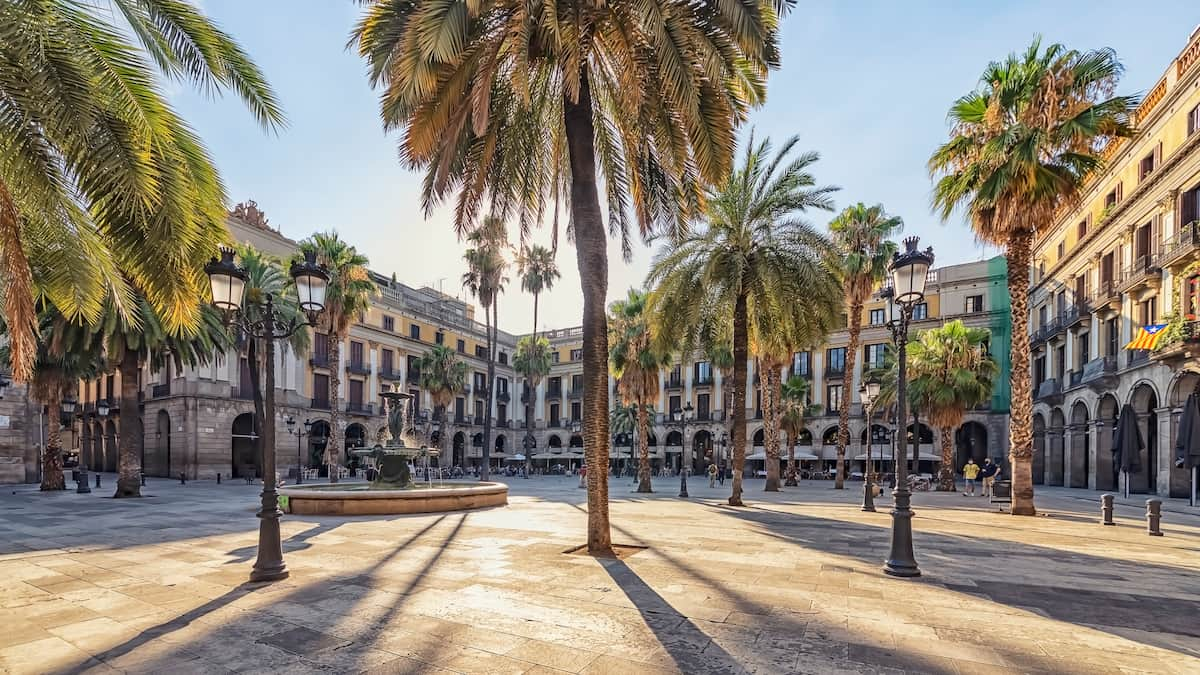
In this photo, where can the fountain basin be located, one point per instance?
(361, 499)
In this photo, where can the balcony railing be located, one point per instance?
(835, 371)
(502, 396)
(461, 419)
(243, 393)
(1078, 313)
(1138, 357)
(576, 392)
(319, 361)
(1145, 270)
(674, 383)
(479, 420)
(553, 393)
(1074, 379)
(1182, 243)
(390, 374)
(414, 375)
(1099, 370)
(703, 415)
(160, 390)
(358, 368)
(1049, 389)
(703, 381)
(360, 407)
(503, 424)
(1107, 292)
(320, 404)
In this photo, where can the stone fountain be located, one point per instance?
(392, 455)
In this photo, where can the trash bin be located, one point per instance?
(1002, 490)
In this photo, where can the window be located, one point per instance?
(501, 385)
(554, 357)
(835, 360)
(389, 323)
(1039, 370)
(356, 393)
(921, 311)
(1062, 250)
(554, 386)
(1146, 166)
(1110, 337)
(1042, 316)
(554, 414)
(1060, 362)
(480, 351)
(414, 367)
(479, 411)
(356, 354)
(673, 405)
(387, 360)
(1081, 230)
(414, 331)
(502, 413)
(1191, 302)
(1060, 304)
(802, 364)
(1194, 120)
(576, 354)
(1041, 269)
(1148, 312)
(702, 403)
(1111, 199)
(577, 383)
(460, 410)
(833, 398)
(480, 382)
(873, 355)
(320, 390)
(439, 337)
(878, 317)
(320, 348)
(1189, 206)
(702, 372)
(461, 346)
(576, 411)
(503, 356)
(1081, 288)
(975, 304)
(1143, 245)
(1084, 348)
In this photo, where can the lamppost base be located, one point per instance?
(901, 562)
(897, 568)
(272, 573)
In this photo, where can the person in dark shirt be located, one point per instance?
(988, 473)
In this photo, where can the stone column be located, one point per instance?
(688, 370)
(1165, 452)
(718, 391)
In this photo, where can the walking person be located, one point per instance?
(970, 472)
(712, 475)
(989, 472)
(721, 474)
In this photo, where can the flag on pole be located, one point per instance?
(1147, 337)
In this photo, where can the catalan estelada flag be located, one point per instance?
(1147, 337)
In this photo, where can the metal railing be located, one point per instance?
(319, 361)
(360, 407)
(674, 383)
(1144, 269)
(160, 390)
(390, 374)
(1106, 291)
(1048, 388)
(1186, 240)
(320, 404)
(1081, 310)
(358, 368)
(503, 396)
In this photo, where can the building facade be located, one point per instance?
(1126, 258)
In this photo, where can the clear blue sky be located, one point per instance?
(866, 84)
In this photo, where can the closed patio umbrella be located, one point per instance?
(1187, 443)
(1127, 444)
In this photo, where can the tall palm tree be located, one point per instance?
(1022, 146)
(538, 273)
(485, 280)
(636, 359)
(751, 256)
(861, 234)
(443, 375)
(532, 360)
(794, 398)
(102, 185)
(514, 107)
(347, 298)
(952, 372)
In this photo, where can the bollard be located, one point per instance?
(182, 479)
(1154, 517)
(1106, 510)
(82, 484)
(218, 478)
(143, 480)
(97, 480)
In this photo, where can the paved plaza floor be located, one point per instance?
(790, 584)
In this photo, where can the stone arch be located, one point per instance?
(576, 441)
(110, 446)
(244, 458)
(318, 438)
(924, 431)
(759, 437)
(1106, 424)
(702, 450)
(1039, 448)
(1144, 399)
(1079, 461)
(158, 459)
(674, 438)
(554, 441)
(1056, 465)
(356, 437)
(458, 448)
(477, 440)
(805, 437)
(651, 439)
(501, 443)
(971, 442)
(96, 457)
(1179, 477)
(880, 435)
(830, 436)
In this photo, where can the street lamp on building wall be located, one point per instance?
(909, 271)
(300, 434)
(867, 393)
(228, 284)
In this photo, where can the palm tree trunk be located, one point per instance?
(129, 455)
(485, 472)
(737, 436)
(1020, 430)
(52, 461)
(643, 425)
(531, 401)
(335, 405)
(770, 397)
(535, 309)
(790, 480)
(591, 253)
(856, 305)
(946, 471)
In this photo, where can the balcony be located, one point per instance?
(1182, 247)
(504, 424)
(1078, 314)
(1049, 390)
(576, 392)
(479, 420)
(390, 374)
(1107, 296)
(553, 393)
(1138, 357)
(243, 393)
(319, 404)
(1074, 379)
(460, 418)
(833, 372)
(1101, 373)
(674, 382)
(414, 375)
(160, 390)
(1048, 330)
(527, 397)
(319, 361)
(360, 408)
(554, 423)
(358, 368)
(481, 391)
(502, 396)
(703, 416)
(1185, 346)
(1145, 272)
(703, 381)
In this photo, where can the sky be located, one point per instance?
(865, 84)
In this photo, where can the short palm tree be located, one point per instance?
(951, 373)
(1022, 147)
(862, 236)
(485, 280)
(796, 407)
(102, 185)
(750, 258)
(443, 376)
(517, 107)
(532, 360)
(538, 273)
(636, 359)
(347, 297)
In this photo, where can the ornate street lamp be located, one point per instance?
(909, 271)
(867, 393)
(228, 282)
(299, 434)
(683, 417)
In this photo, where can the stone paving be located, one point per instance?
(790, 584)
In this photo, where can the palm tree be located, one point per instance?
(538, 273)
(102, 185)
(952, 372)
(532, 360)
(485, 280)
(794, 399)
(347, 298)
(442, 376)
(636, 359)
(515, 106)
(1022, 147)
(752, 257)
(861, 234)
